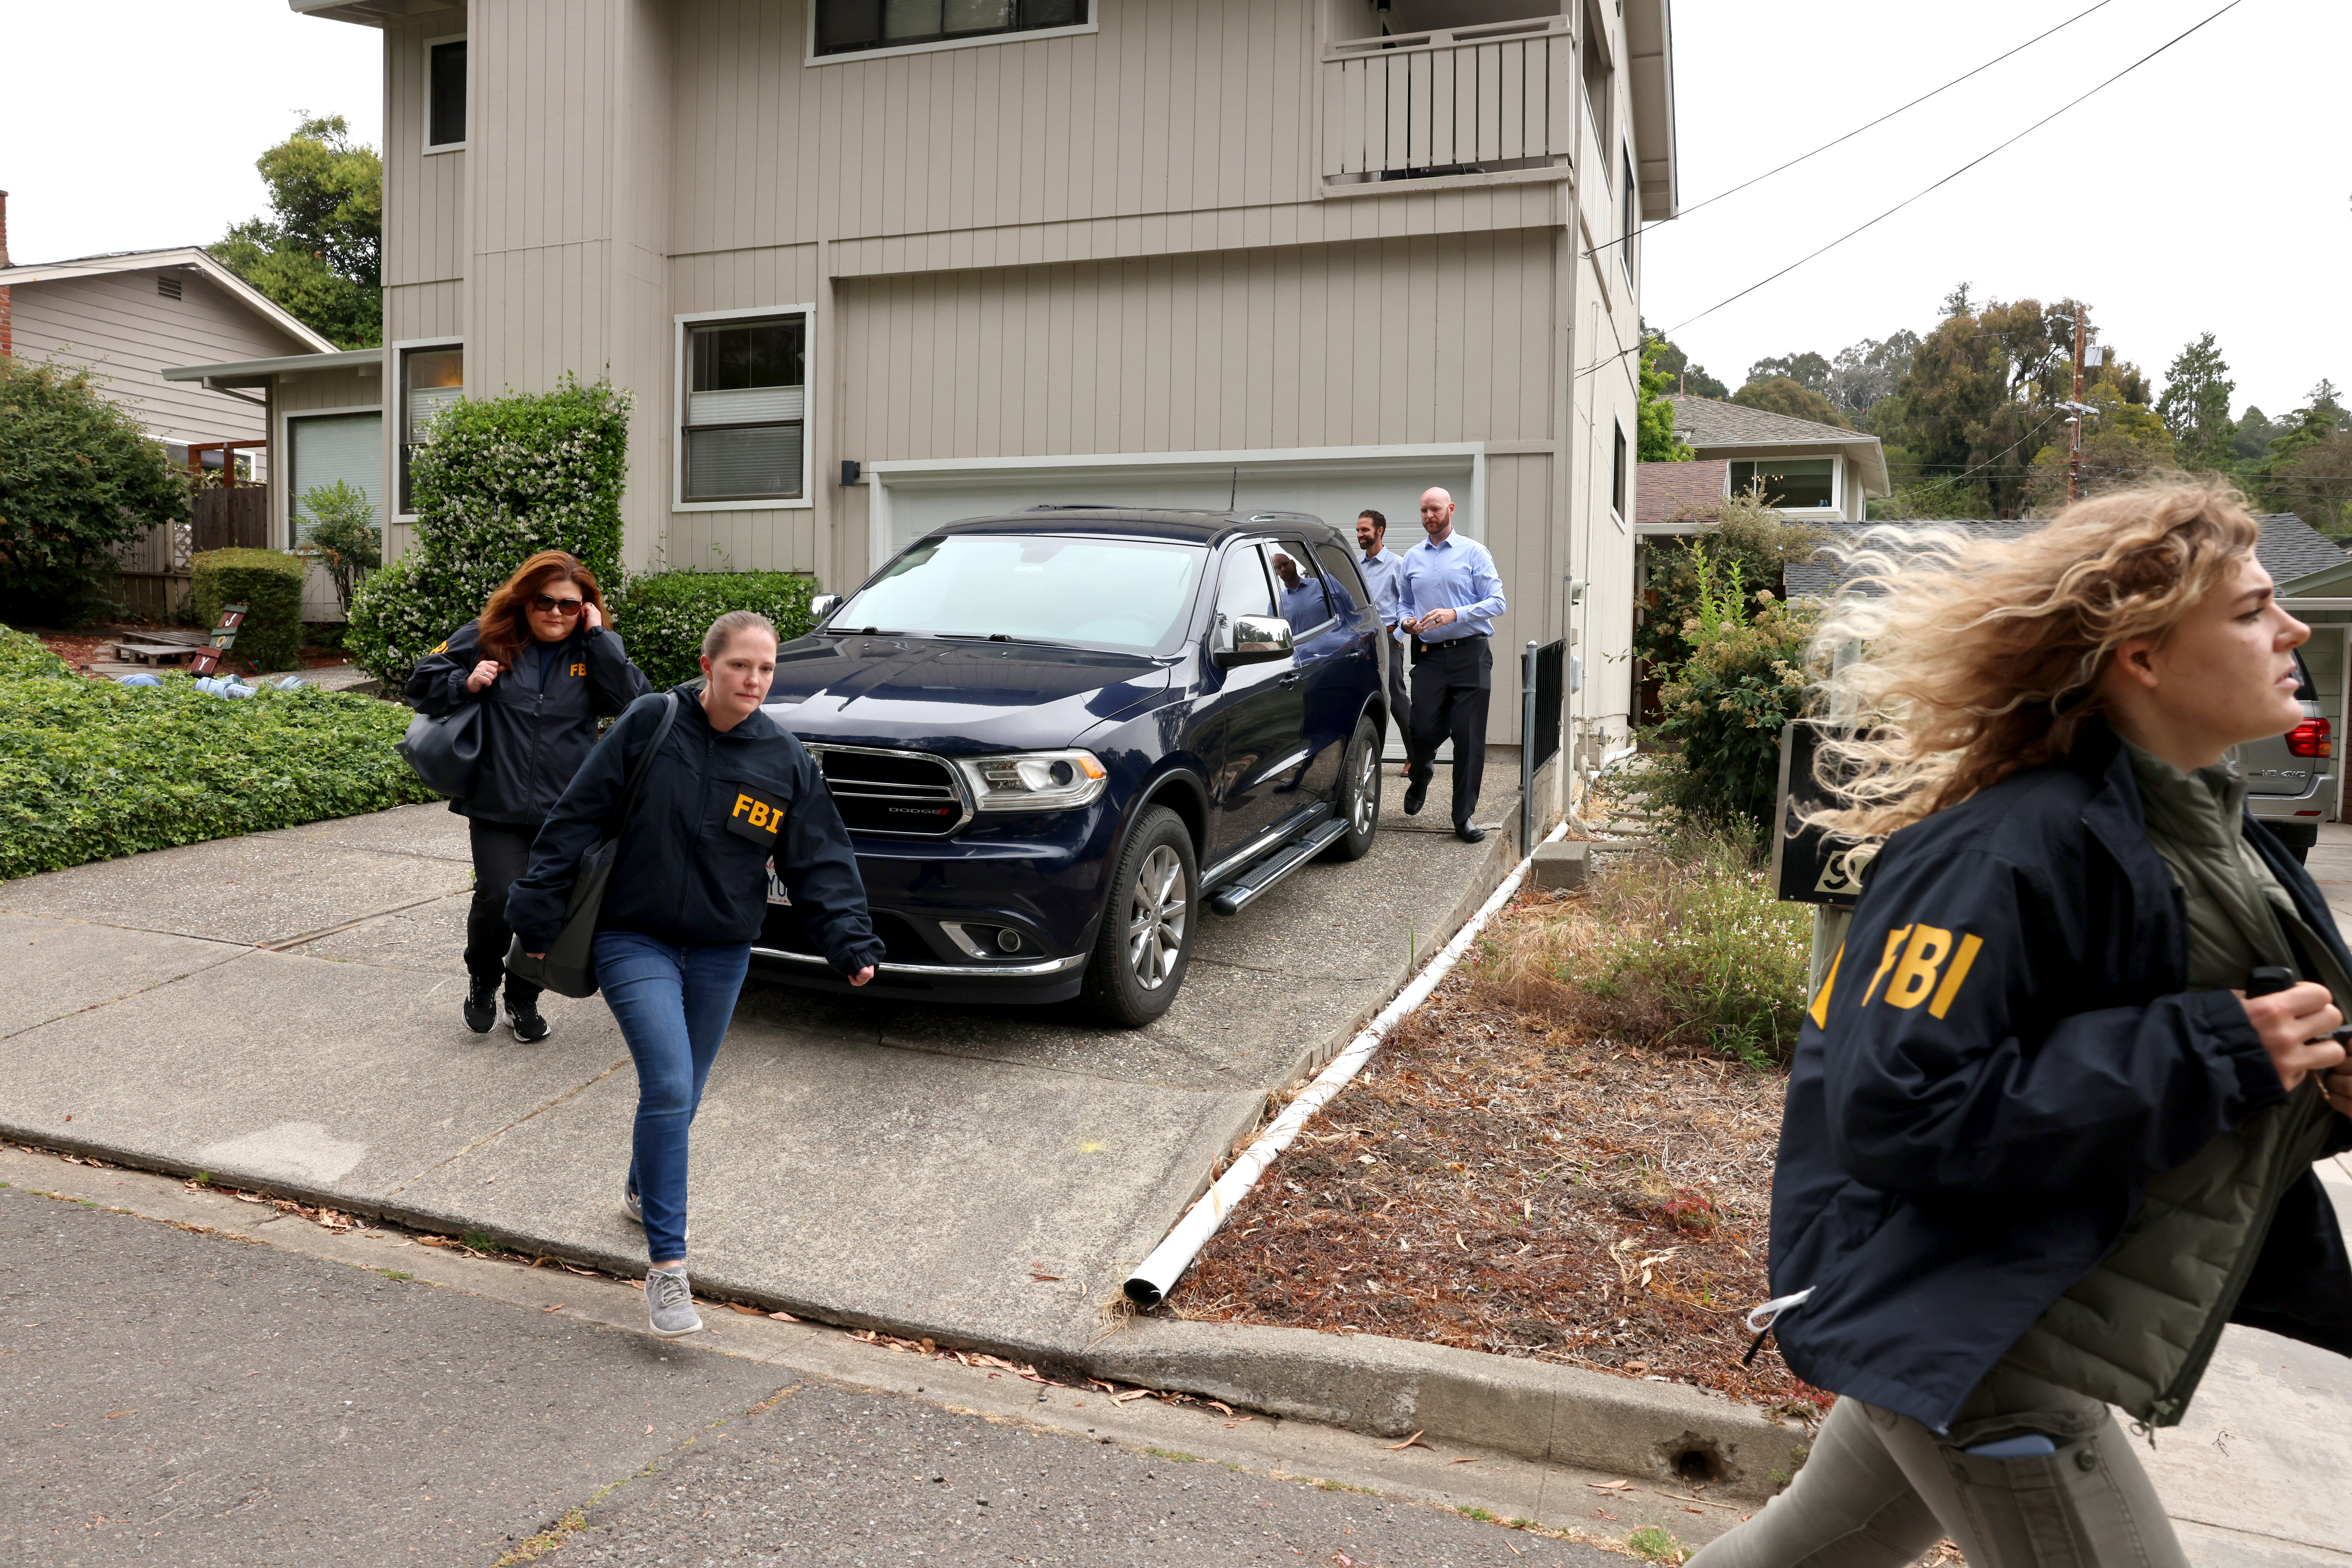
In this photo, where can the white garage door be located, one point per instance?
(913, 498)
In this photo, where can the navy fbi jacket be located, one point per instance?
(2001, 1056)
(692, 867)
(535, 734)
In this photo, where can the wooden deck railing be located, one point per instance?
(1459, 100)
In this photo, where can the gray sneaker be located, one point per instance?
(670, 1303)
(637, 1211)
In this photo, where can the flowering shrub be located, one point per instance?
(501, 479)
(1725, 703)
(89, 770)
(662, 617)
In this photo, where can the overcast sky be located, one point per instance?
(2209, 190)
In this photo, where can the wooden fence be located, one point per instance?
(154, 570)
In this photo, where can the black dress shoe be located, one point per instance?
(481, 1005)
(1415, 793)
(1470, 833)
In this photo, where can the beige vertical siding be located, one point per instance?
(424, 194)
(116, 323)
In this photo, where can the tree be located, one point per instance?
(1865, 374)
(1676, 367)
(1981, 391)
(78, 478)
(1779, 394)
(1658, 443)
(1808, 370)
(2307, 468)
(342, 534)
(320, 253)
(2195, 406)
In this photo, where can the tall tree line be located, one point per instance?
(1974, 419)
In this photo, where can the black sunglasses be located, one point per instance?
(561, 606)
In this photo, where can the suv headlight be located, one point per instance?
(1033, 781)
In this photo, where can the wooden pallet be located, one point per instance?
(154, 652)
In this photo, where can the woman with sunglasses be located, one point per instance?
(544, 668)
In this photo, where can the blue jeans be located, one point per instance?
(673, 1004)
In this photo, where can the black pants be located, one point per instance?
(1451, 683)
(1400, 668)
(502, 853)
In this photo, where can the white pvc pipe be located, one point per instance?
(1156, 1275)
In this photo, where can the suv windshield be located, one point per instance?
(1130, 594)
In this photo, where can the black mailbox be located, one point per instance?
(1809, 866)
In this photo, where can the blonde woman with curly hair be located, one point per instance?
(2053, 1113)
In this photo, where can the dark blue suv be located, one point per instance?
(1057, 736)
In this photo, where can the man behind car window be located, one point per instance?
(1449, 595)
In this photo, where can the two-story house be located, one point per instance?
(868, 265)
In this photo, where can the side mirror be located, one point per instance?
(1249, 639)
(821, 608)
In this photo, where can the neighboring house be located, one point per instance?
(2312, 575)
(867, 267)
(129, 315)
(1810, 472)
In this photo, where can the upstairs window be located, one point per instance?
(1792, 484)
(1598, 71)
(431, 379)
(444, 94)
(746, 410)
(847, 26)
(1632, 223)
(1618, 473)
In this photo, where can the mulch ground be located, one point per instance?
(1493, 1181)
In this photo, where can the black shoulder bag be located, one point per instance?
(570, 967)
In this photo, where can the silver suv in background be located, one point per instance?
(2291, 778)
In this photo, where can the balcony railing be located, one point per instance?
(1460, 100)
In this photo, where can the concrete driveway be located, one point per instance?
(281, 1010)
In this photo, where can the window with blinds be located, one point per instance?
(843, 26)
(746, 410)
(430, 381)
(324, 449)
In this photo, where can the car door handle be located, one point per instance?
(1292, 679)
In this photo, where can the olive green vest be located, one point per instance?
(2139, 1329)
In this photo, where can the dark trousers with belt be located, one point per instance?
(1400, 668)
(1451, 683)
(501, 854)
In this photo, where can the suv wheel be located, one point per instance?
(1360, 795)
(1147, 927)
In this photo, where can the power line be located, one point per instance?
(1858, 130)
(1946, 180)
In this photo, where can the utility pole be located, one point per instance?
(2075, 443)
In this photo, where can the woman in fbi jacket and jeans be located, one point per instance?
(728, 790)
(2052, 1116)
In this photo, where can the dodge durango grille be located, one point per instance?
(909, 794)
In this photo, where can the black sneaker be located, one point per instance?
(481, 1005)
(523, 1018)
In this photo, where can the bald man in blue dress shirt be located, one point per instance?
(1449, 595)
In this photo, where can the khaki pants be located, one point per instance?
(1879, 1490)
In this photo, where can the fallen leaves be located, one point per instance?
(747, 1311)
(1408, 1443)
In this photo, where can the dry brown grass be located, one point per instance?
(1530, 1169)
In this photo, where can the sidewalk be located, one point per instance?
(281, 1010)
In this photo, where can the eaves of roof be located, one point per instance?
(261, 372)
(192, 256)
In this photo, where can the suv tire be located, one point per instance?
(1360, 795)
(1148, 923)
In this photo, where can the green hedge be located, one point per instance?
(268, 584)
(502, 479)
(662, 617)
(90, 769)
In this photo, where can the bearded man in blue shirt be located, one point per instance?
(1448, 596)
(1380, 564)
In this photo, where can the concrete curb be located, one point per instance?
(1535, 1410)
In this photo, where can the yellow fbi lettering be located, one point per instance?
(1924, 965)
(757, 813)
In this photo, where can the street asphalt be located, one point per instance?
(173, 1396)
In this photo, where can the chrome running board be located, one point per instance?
(1239, 894)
